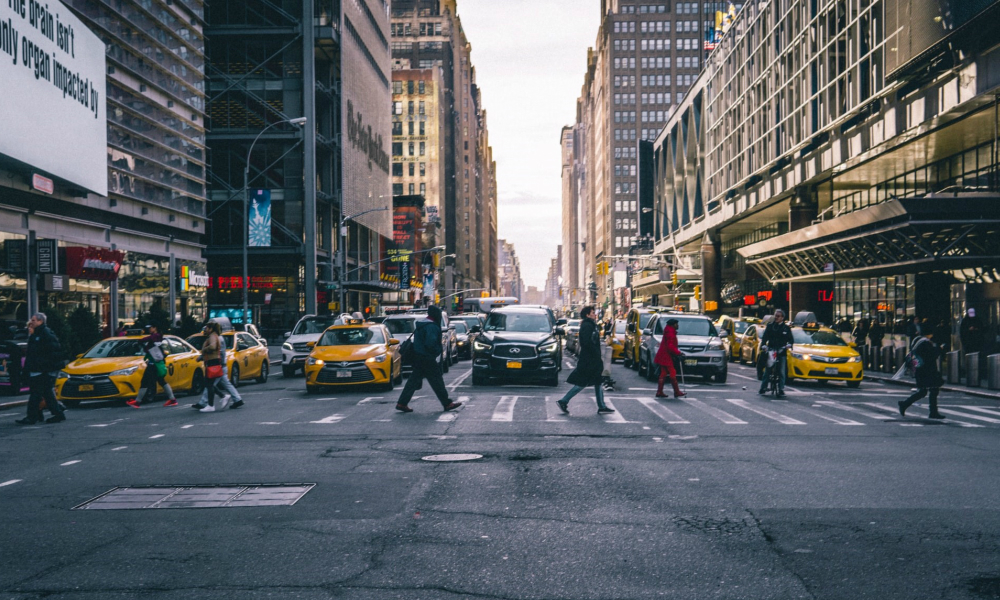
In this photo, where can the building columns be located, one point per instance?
(801, 212)
(711, 271)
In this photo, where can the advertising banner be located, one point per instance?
(259, 221)
(53, 70)
(98, 264)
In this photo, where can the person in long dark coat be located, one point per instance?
(929, 379)
(427, 350)
(589, 364)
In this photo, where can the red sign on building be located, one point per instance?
(98, 264)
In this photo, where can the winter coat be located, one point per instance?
(668, 347)
(212, 348)
(589, 364)
(777, 336)
(44, 354)
(876, 334)
(427, 339)
(927, 374)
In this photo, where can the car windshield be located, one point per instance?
(740, 326)
(696, 327)
(115, 349)
(400, 325)
(574, 323)
(460, 326)
(355, 336)
(228, 339)
(518, 322)
(619, 326)
(819, 338)
(644, 319)
(313, 325)
(470, 321)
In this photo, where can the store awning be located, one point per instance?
(938, 232)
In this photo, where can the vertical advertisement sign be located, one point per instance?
(259, 220)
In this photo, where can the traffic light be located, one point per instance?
(560, 292)
(697, 292)
(673, 278)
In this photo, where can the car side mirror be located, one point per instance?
(393, 342)
(79, 356)
(288, 334)
(852, 344)
(560, 331)
(311, 344)
(647, 332)
(561, 322)
(724, 333)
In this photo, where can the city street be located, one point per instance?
(827, 494)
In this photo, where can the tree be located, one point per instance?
(189, 326)
(55, 321)
(156, 317)
(85, 327)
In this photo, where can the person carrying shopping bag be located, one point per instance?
(589, 365)
(156, 369)
(225, 386)
(211, 355)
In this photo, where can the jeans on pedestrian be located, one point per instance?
(222, 386)
(425, 367)
(576, 389)
(782, 366)
(42, 387)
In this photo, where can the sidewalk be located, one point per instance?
(908, 382)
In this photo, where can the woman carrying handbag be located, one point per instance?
(211, 354)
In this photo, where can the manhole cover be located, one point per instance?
(451, 457)
(198, 496)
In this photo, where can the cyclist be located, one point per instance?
(778, 336)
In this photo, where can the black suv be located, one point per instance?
(518, 343)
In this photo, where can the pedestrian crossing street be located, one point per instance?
(850, 410)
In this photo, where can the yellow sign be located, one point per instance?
(484, 294)
(711, 305)
(334, 306)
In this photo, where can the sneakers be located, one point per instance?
(171, 402)
(404, 408)
(237, 404)
(453, 406)
(563, 407)
(604, 410)
(56, 418)
(134, 403)
(207, 409)
(198, 406)
(935, 415)
(224, 402)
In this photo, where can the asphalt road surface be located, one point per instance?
(725, 494)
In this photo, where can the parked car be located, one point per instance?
(732, 331)
(519, 343)
(697, 338)
(636, 321)
(295, 350)
(464, 337)
(448, 338)
(749, 344)
(354, 354)
(573, 335)
(401, 326)
(617, 340)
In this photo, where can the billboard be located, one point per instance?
(367, 122)
(918, 26)
(53, 111)
(259, 234)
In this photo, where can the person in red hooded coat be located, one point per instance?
(665, 357)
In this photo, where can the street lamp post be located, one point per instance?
(246, 213)
(342, 250)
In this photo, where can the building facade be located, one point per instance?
(509, 270)
(107, 212)
(428, 35)
(324, 187)
(834, 158)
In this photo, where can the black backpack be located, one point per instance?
(406, 348)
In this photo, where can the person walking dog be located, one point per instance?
(923, 356)
(588, 365)
(427, 349)
(666, 355)
(42, 361)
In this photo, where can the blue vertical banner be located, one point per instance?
(259, 219)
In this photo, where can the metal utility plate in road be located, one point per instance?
(228, 496)
(451, 457)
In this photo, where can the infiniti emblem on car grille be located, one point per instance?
(515, 350)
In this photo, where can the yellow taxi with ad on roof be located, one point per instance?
(112, 369)
(820, 353)
(355, 353)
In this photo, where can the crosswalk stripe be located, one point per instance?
(615, 417)
(896, 410)
(552, 412)
(981, 409)
(452, 415)
(504, 410)
(968, 416)
(721, 415)
(831, 418)
(841, 406)
(662, 411)
(331, 419)
(770, 414)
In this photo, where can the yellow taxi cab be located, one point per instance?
(246, 356)
(749, 342)
(820, 353)
(635, 322)
(356, 353)
(617, 340)
(736, 329)
(112, 369)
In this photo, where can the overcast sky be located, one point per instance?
(530, 58)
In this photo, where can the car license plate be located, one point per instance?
(344, 374)
(691, 362)
(86, 387)
(832, 371)
(513, 364)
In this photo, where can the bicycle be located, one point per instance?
(774, 378)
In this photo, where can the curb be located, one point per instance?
(992, 395)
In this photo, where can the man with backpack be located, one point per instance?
(42, 360)
(923, 358)
(426, 350)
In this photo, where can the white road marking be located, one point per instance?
(331, 419)
(981, 409)
(101, 425)
(658, 440)
(118, 448)
(325, 399)
(186, 426)
(68, 463)
(615, 417)
(159, 435)
(896, 410)
(841, 406)
(837, 420)
(663, 412)
(552, 411)
(770, 414)
(721, 415)
(504, 410)
(458, 380)
(642, 389)
(269, 423)
(568, 365)
(968, 416)
(452, 415)
(369, 399)
(743, 376)
(10, 482)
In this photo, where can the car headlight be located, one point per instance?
(801, 356)
(62, 375)
(287, 346)
(549, 347)
(854, 359)
(314, 361)
(124, 372)
(480, 346)
(715, 346)
(377, 359)
(461, 343)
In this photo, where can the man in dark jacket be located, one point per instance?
(42, 361)
(427, 350)
(588, 365)
(777, 335)
(924, 354)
